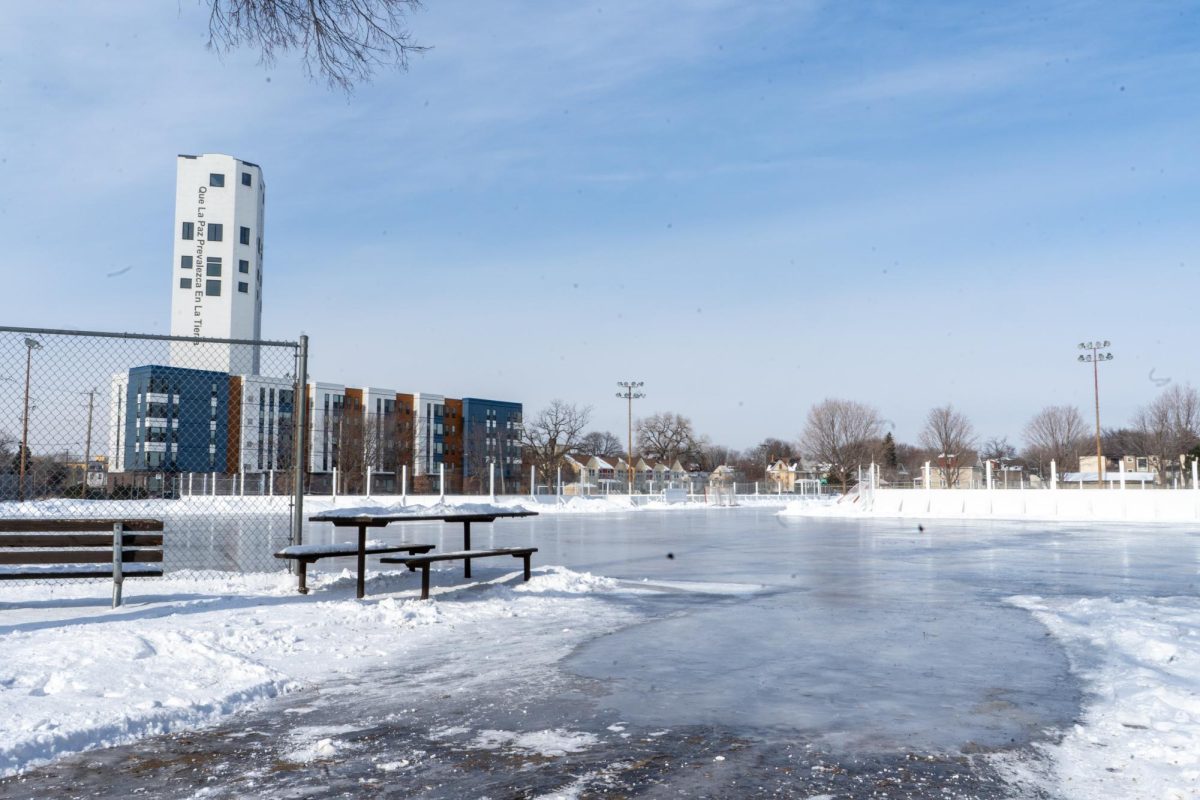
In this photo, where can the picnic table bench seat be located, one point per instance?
(48, 548)
(422, 562)
(305, 554)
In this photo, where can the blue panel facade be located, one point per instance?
(176, 420)
(493, 427)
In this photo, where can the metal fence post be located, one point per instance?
(300, 404)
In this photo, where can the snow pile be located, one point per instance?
(1140, 732)
(183, 651)
(546, 743)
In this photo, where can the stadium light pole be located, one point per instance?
(23, 456)
(629, 395)
(1094, 357)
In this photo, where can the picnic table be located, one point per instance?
(379, 517)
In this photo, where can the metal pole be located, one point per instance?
(1099, 454)
(404, 484)
(23, 456)
(492, 480)
(442, 481)
(299, 456)
(87, 446)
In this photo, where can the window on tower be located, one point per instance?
(185, 283)
(243, 266)
(246, 180)
(243, 287)
(245, 235)
(189, 230)
(212, 288)
(185, 262)
(216, 231)
(213, 264)
(216, 179)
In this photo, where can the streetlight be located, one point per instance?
(23, 456)
(1095, 357)
(630, 395)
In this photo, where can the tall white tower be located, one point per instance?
(216, 274)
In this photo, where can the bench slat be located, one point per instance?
(315, 551)
(79, 572)
(460, 555)
(60, 525)
(78, 556)
(79, 540)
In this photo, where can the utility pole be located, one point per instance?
(630, 395)
(87, 446)
(23, 456)
(1095, 357)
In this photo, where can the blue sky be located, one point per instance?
(749, 206)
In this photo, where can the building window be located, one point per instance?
(216, 179)
(185, 283)
(216, 231)
(243, 287)
(243, 266)
(245, 235)
(189, 230)
(246, 179)
(185, 262)
(214, 266)
(212, 288)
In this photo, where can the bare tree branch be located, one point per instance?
(342, 41)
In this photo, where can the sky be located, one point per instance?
(748, 206)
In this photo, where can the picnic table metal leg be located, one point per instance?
(425, 581)
(303, 567)
(466, 546)
(362, 560)
(526, 558)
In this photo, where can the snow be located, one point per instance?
(434, 510)
(335, 549)
(186, 651)
(555, 742)
(1140, 732)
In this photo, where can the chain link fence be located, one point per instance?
(200, 433)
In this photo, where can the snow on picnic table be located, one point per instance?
(184, 652)
(435, 510)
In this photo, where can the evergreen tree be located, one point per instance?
(889, 451)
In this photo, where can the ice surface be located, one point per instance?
(867, 635)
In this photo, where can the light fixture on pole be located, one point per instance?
(629, 395)
(23, 456)
(1094, 357)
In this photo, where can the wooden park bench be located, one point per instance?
(61, 548)
(305, 554)
(423, 561)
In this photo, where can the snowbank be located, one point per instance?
(183, 652)
(1063, 505)
(1139, 736)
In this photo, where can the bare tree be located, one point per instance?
(552, 433)
(666, 437)
(1055, 433)
(950, 435)
(1170, 425)
(710, 456)
(997, 448)
(342, 41)
(601, 443)
(842, 434)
